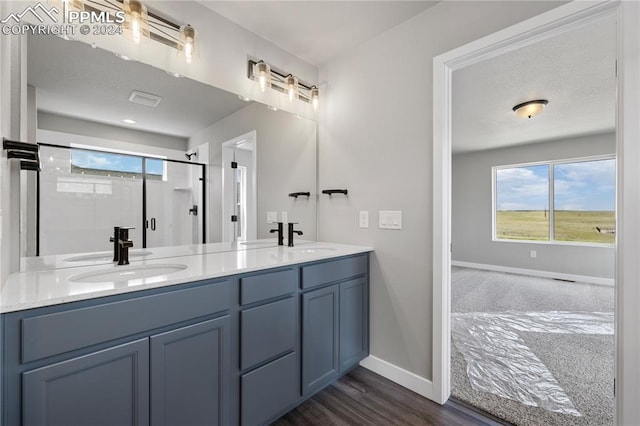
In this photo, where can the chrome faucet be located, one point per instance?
(121, 244)
(290, 234)
(280, 232)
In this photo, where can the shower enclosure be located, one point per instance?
(83, 193)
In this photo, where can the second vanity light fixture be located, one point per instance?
(141, 24)
(286, 83)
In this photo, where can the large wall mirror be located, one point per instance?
(184, 163)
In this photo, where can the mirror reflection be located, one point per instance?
(183, 163)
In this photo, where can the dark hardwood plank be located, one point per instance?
(365, 398)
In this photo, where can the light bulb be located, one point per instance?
(264, 75)
(314, 97)
(187, 43)
(292, 87)
(135, 27)
(188, 51)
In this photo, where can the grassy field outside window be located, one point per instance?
(581, 194)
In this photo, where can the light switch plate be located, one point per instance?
(272, 217)
(364, 219)
(390, 219)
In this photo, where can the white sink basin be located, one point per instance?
(312, 250)
(126, 273)
(106, 256)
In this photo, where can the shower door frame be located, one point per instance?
(144, 159)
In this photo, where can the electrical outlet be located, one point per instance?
(272, 217)
(533, 254)
(285, 217)
(364, 219)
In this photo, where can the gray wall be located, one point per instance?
(64, 124)
(286, 162)
(376, 138)
(471, 211)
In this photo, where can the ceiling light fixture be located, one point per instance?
(272, 108)
(129, 121)
(175, 74)
(136, 20)
(286, 83)
(530, 109)
(123, 57)
(244, 98)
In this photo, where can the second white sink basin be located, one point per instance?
(126, 273)
(311, 250)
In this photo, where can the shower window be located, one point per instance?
(85, 162)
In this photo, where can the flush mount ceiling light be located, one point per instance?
(530, 109)
(286, 83)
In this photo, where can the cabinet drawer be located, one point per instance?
(52, 334)
(267, 331)
(327, 272)
(269, 390)
(265, 286)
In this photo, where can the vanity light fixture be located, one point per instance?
(292, 87)
(263, 74)
(187, 43)
(136, 20)
(287, 83)
(530, 109)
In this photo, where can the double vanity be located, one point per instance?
(204, 338)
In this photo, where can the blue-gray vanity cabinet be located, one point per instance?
(189, 374)
(108, 387)
(319, 338)
(354, 323)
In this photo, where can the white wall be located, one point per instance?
(76, 126)
(286, 162)
(471, 231)
(375, 136)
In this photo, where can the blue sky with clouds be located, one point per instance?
(584, 186)
(113, 162)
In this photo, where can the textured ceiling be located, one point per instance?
(575, 71)
(73, 79)
(316, 31)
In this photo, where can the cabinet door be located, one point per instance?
(190, 374)
(109, 387)
(320, 338)
(353, 323)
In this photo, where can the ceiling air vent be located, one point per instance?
(146, 99)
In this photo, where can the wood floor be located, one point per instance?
(365, 398)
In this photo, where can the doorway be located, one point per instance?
(546, 25)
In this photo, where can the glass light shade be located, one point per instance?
(187, 43)
(262, 73)
(136, 21)
(292, 87)
(530, 109)
(313, 96)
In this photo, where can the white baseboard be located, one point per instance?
(404, 378)
(536, 273)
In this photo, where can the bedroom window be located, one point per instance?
(569, 201)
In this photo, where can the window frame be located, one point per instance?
(551, 201)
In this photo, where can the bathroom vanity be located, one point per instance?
(231, 338)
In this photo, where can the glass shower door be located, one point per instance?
(173, 203)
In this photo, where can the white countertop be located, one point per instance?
(38, 288)
(74, 260)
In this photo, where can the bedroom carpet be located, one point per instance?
(581, 364)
